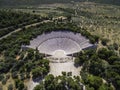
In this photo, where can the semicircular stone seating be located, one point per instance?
(60, 40)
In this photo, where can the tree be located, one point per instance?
(105, 87)
(96, 38)
(39, 87)
(96, 67)
(116, 46)
(10, 87)
(14, 75)
(105, 54)
(64, 73)
(77, 61)
(49, 79)
(112, 59)
(37, 72)
(69, 18)
(1, 77)
(104, 41)
(19, 84)
(94, 81)
(118, 84)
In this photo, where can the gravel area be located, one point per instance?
(57, 68)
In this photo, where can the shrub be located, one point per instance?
(10, 87)
(104, 41)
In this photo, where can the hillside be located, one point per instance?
(63, 46)
(37, 2)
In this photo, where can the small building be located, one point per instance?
(63, 18)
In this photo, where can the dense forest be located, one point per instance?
(100, 66)
(25, 64)
(11, 20)
(37, 2)
(21, 64)
(102, 63)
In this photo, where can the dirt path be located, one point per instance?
(27, 26)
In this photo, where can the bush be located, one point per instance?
(4, 81)
(112, 59)
(14, 75)
(116, 46)
(105, 54)
(19, 84)
(10, 87)
(94, 81)
(64, 73)
(110, 47)
(38, 87)
(69, 74)
(28, 75)
(1, 77)
(104, 41)
(22, 76)
(77, 61)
